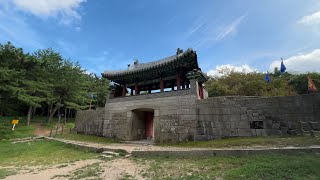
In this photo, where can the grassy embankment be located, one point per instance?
(274, 141)
(87, 138)
(300, 166)
(37, 153)
(22, 130)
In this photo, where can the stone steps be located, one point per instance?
(110, 153)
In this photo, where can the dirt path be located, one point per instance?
(42, 173)
(115, 169)
(120, 168)
(40, 130)
(129, 147)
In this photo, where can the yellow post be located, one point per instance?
(14, 122)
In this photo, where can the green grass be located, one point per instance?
(127, 177)
(21, 130)
(300, 166)
(87, 172)
(39, 153)
(6, 172)
(87, 138)
(250, 141)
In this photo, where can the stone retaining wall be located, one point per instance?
(90, 121)
(184, 118)
(263, 116)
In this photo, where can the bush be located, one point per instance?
(249, 84)
(5, 129)
(20, 131)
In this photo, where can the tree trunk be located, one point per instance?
(42, 111)
(34, 111)
(29, 115)
(65, 115)
(69, 113)
(49, 112)
(59, 115)
(52, 112)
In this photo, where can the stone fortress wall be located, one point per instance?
(259, 116)
(187, 118)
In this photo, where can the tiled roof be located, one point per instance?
(145, 66)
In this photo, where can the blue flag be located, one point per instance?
(283, 67)
(267, 78)
(91, 95)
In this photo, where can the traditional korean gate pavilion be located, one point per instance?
(166, 101)
(164, 75)
(167, 77)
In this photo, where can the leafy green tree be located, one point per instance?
(33, 88)
(248, 84)
(215, 88)
(9, 76)
(100, 89)
(300, 82)
(52, 63)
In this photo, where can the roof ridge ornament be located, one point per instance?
(136, 61)
(179, 51)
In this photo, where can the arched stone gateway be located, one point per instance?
(141, 124)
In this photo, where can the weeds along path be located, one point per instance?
(85, 169)
(48, 172)
(123, 168)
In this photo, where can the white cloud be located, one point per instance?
(206, 32)
(14, 28)
(65, 10)
(311, 19)
(225, 69)
(197, 26)
(309, 62)
(231, 28)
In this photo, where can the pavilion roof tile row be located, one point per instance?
(137, 68)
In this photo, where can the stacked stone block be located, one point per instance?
(184, 118)
(90, 121)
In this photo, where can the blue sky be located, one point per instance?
(244, 35)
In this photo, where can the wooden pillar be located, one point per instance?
(131, 92)
(136, 89)
(161, 86)
(200, 90)
(123, 89)
(178, 82)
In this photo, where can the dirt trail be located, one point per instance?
(40, 130)
(36, 173)
(119, 168)
(115, 169)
